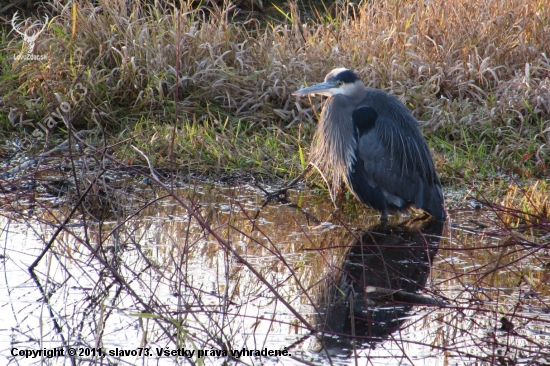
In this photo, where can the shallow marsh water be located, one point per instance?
(151, 277)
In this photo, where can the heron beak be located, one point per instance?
(322, 88)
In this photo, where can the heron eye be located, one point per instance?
(340, 83)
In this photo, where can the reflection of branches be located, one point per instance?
(192, 267)
(37, 281)
(281, 196)
(61, 229)
(492, 270)
(193, 213)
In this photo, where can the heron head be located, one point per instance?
(338, 81)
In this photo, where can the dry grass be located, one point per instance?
(525, 207)
(475, 75)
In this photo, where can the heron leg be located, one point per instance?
(384, 217)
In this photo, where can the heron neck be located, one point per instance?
(334, 142)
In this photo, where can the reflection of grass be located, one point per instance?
(198, 267)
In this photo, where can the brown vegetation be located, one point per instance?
(471, 72)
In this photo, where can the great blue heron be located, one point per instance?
(372, 140)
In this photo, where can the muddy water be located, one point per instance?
(216, 274)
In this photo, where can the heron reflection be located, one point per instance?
(377, 284)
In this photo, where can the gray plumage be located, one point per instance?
(371, 140)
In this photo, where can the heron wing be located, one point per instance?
(395, 158)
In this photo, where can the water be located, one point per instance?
(139, 275)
